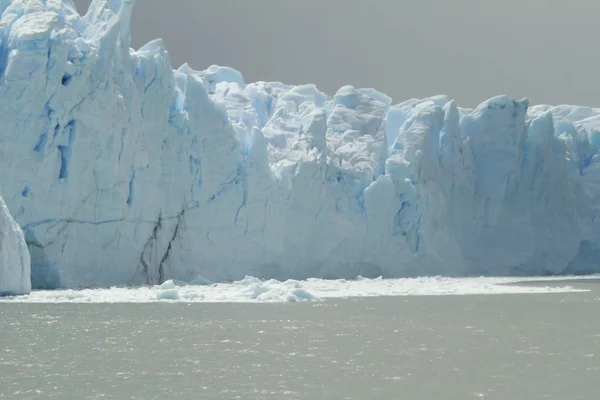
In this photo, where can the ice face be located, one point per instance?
(14, 257)
(121, 170)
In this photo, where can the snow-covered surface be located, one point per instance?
(123, 171)
(14, 256)
(253, 290)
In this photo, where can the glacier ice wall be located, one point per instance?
(14, 257)
(121, 170)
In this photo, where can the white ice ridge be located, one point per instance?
(14, 256)
(123, 171)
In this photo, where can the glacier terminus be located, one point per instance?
(120, 170)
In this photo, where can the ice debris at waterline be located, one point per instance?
(123, 171)
(253, 290)
(14, 256)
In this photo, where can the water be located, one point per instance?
(509, 346)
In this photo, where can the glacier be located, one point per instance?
(121, 170)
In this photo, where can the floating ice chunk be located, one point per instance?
(274, 291)
(168, 294)
(168, 290)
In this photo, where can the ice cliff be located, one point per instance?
(121, 170)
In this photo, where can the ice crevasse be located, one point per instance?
(123, 171)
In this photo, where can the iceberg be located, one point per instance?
(121, 170)
(14, 256)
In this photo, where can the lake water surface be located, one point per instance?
(505, 346)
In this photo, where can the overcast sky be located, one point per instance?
(546, 50)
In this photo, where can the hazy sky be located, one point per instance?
(546, 50)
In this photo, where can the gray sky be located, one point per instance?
(546, 50)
